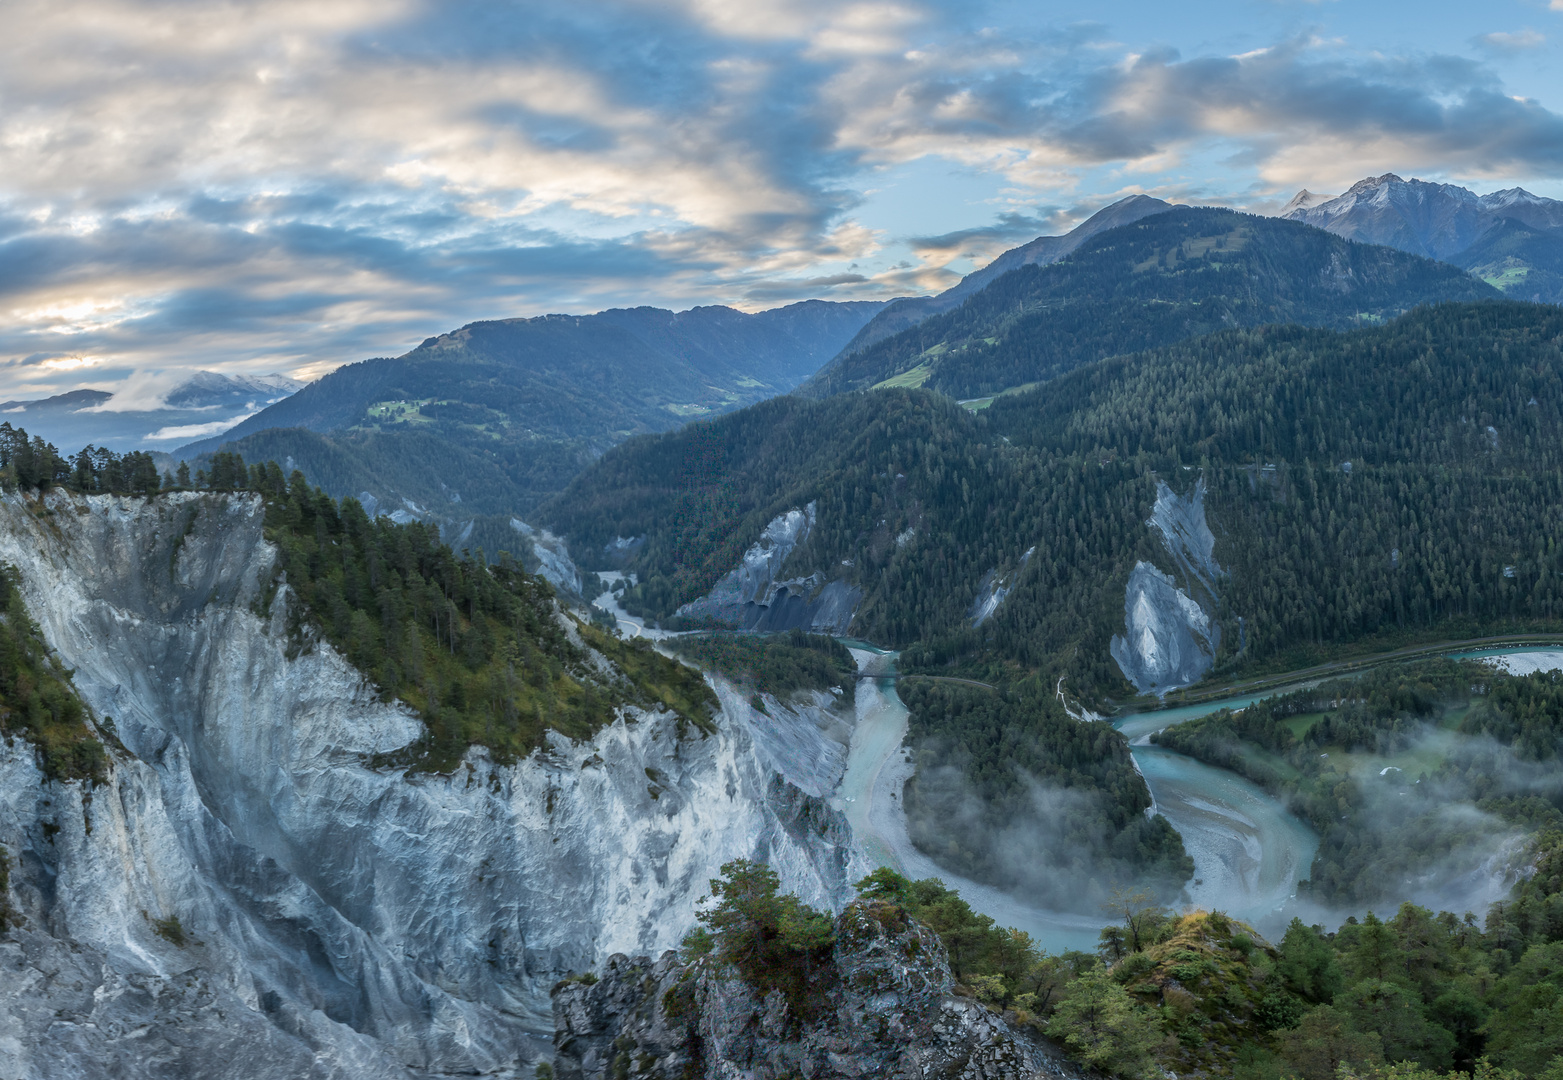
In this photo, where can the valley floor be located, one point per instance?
(1249, 850)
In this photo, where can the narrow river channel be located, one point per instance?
(1249, 851)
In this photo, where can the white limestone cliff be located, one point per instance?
(336, 919)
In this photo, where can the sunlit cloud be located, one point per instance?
(70, 363)
(287, 186)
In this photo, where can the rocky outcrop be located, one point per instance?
(1168, 641)
(248, 895)
(994, 589)
(752, 595)
(549, 558)
(1180, 522)
(891, 1014)
(1170, 637)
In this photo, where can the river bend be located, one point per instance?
(1249, 851)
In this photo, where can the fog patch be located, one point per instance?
(1062, 849)
(1455, 839)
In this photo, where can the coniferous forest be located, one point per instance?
(1010, 790)
(1367, 489)
(480, 651)
(779, 665)
(1416, 995)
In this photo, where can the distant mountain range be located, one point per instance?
(1168, 274)
(498, 415)
(1510, 239)
(148, 418)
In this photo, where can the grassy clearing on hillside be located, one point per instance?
(910, 379)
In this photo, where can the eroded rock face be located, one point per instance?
(247, 896)
(892, 1015)
(1170, 639)
(752, 595)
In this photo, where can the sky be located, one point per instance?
(290, 185)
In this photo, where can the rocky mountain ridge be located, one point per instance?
(900, 314)
(1451, 223)
(1172, 275)
(893, 1014)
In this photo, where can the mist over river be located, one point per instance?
(1249, 851)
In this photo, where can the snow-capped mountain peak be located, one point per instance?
(1426, 218)
(1304, 200)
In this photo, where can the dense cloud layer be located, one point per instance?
(284, 185)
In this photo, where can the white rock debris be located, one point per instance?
(994, 589)
(550, 558)
(750, 596)
(1170, 640)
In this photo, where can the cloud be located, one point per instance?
(290, 186)
(1010, 228)
(144, 391)
(1519, 41)
(1277, 107)
(196, 431)
(798, 288)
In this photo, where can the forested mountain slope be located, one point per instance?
(516, 407)
(1361, 489)
(1156, 281)
(1525, 261)
(909, 311)
(1381, 484)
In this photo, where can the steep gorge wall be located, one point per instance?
(337, 919)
